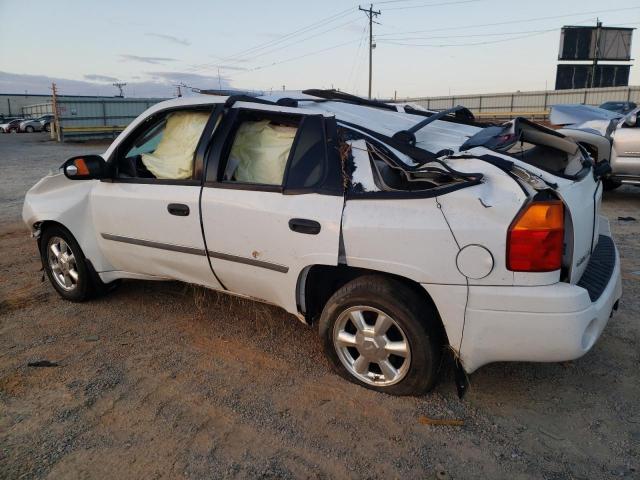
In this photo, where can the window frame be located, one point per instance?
(223, 143)
(197, 175)
(218, 154)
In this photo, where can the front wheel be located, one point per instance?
(67, 267)
(383, 335)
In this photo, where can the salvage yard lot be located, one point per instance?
(165, 380)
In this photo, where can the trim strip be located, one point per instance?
(148, 243)
(197, 251)
(250, 261)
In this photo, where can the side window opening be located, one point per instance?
(260, 149)
(371, 167)
(166, 148)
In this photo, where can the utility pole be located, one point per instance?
(119, 86)
(596, 56)
(54, 106)
(370, 12)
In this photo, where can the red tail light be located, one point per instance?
(535, 238)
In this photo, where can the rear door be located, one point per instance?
(272, 200)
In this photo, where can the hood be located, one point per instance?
(585, 117)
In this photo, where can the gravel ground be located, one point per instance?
(172, 381)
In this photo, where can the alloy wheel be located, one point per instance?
(62, 263)
(372, 346)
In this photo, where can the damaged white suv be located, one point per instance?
(399, 232)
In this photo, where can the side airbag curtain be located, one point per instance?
(260, 151)
(173, 157)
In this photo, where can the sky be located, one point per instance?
(423, 47)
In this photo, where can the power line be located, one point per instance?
(494, 34)
(508, 22)
(356, 57)
(488, 42)
(240, 55)
(427, 5)
(296, 57)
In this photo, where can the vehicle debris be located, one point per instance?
(42, 363)
(450, 422)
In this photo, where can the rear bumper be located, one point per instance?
(536, 324)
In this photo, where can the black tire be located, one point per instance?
(88, 284)
(47, 127)
(416, 317)
(610, 185)
(29, 129)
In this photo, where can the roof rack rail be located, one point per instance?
(409, 135)
(330, 94)
(231, 93)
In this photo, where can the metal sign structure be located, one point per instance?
(593, 44)
(590, 43)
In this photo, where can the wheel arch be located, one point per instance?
(317, 283)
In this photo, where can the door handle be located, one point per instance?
(303, 225)
(178, 209)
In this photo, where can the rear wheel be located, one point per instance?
(381, 334)
(29, 129)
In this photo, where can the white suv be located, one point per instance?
(398, 231)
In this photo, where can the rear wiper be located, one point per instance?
(409, 136)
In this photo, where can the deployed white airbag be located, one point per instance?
(260, 152)
(173, 157)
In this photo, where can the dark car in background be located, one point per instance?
(10, 126)
(619, 107)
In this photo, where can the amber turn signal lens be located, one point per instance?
(536, 237)
(81, 165)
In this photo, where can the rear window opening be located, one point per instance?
(548, 151)
(548, 158)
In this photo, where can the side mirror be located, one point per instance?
(631, 121)
(85, 167)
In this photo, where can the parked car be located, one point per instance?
(45, 121)
(399, 233)
(610, 137)
(619, 107)
(11, 126)
(30, 125)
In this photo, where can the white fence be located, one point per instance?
(527, 104)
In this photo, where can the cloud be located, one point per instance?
(153, 60)
(191, 79)
(170, 38)
(152, 84)
(100, 78)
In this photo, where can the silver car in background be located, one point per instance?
(608, 136)
(36, 124)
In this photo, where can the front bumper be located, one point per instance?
(537, 324)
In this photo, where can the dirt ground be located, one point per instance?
(171, 381)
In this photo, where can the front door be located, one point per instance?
(272, 201)
(147, 218)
